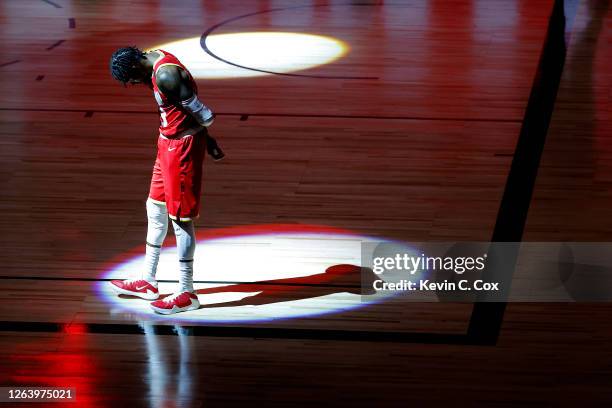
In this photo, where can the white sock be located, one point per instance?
(185, 244)
(156, 233)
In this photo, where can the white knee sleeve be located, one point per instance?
(156, 233)
(158, 223)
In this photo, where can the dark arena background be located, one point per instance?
(406, 123)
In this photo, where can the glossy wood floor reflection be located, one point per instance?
(417, 150)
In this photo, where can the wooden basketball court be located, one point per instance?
(462, 120)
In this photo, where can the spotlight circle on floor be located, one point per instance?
(258, 274)
(275, 52)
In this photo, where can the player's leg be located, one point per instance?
(157, 229)
(185, 244)
(157, 217)
(185, 298)
(144, 285)
(182, 168)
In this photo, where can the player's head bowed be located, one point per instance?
(125, 64)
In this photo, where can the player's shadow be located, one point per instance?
(335, 279)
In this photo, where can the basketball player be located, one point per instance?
(177, 173)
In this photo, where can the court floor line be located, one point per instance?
(52, 3)
(232, 19)
(487, 317)
(288, 115)
(49, 278)
(10, 63)
(244, 332)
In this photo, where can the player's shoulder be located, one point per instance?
(167, 71)
(170, 73)
(168, 76)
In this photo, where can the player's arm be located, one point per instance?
(175, 85)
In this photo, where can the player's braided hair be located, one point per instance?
(123, 61)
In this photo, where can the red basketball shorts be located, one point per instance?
(177, 175)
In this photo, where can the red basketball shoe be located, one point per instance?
(179, 302)
(135, 287)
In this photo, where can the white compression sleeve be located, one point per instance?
(185, 244)
(157, 228)
(202, 113)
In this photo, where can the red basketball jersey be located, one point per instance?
(172, 119)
